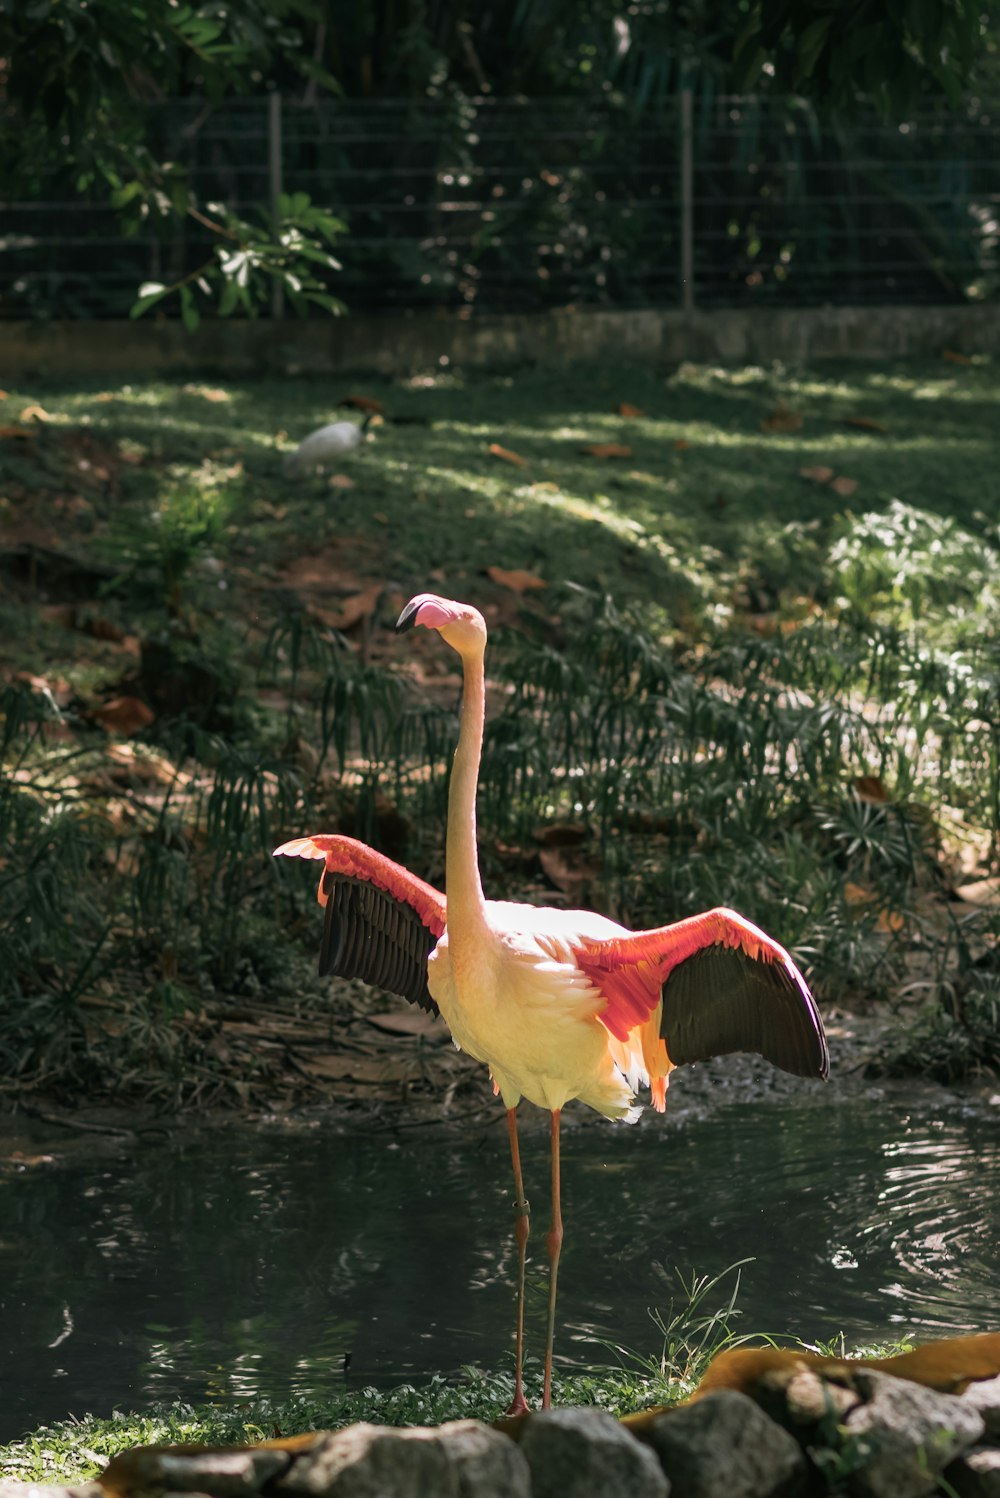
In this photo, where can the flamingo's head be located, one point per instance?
(462, 626)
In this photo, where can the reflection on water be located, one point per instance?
(236, 1265)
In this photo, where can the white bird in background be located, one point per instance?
(559, 1004)
(327, 444)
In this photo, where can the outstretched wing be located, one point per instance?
(382, 922)
(723, 985)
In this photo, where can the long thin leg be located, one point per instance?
(518, 1404)
(554, 1241)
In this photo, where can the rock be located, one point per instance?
(374, 1461)
(463, 1459)
(984, 1396)
(51, 1490)
(724, 1446)
(904, 1436)
(585, 1453)
(976, 1474)
(806, 1398)
(488, 1464)
(225, 1473)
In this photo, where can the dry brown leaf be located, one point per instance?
(843, 485)
(868, 423)
(625, 408)
(507, 455)
(124, 715)
(571, 871)
(889, 920)
(681, 445)
(60, 613)
(517, 579)
(856, 894)
(410, 1022)
(367, 1069)
(870, 788)
(363, 403)
(352, 610)
(781, 419)
(954, 357)
(16, 432)
(340, 481)
(561, 835)
(208, 393)
(606, 450)
(983, 892)
(820, 474)
(56, 687)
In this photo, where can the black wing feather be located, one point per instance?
(721, 1000)
(369, 934)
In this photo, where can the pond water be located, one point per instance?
(238, 1263)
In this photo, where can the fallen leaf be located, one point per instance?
(352, 610)
(843, 485)
(22, 432)
(60, 613)
(954, 357)
(368, 1069)
(363, 403)
(518, 580)
(340, 481)
(606, 450)
(856, 894)
(868, 423)
(561, 834)
(983, 892)
(625, 408)
(781, 419)
(410, 1022)
(506, 455)
(889, 920)
(870, 788)
(820, 474)
(124, 715)
(34, 413)
(572, 872)
(208, 393)
(681, 445)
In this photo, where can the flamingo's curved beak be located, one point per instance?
(430, 610)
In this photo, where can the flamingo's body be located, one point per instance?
(559, 1004)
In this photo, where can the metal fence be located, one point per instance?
(508, 204)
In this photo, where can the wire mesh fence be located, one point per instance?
(515, 204)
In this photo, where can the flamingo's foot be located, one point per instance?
(518, 1405)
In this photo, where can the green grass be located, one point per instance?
(736, 686)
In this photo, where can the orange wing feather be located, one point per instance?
(724, 985)
(348, 856)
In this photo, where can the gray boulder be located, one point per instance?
(463, 1459)
(976, 1474)
(585, 1453)
(724, 1446)
(902, 1438)
(488, 1464)
(373, 1461)
(984, 1396)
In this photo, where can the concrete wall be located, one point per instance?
(401, 344)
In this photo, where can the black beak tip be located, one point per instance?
(408, 617)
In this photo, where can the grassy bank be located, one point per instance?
(744, 651)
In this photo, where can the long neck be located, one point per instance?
(463, 887)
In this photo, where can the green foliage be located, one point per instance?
(708, 714)
(908, 567)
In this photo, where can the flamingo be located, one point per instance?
(559, 1004)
